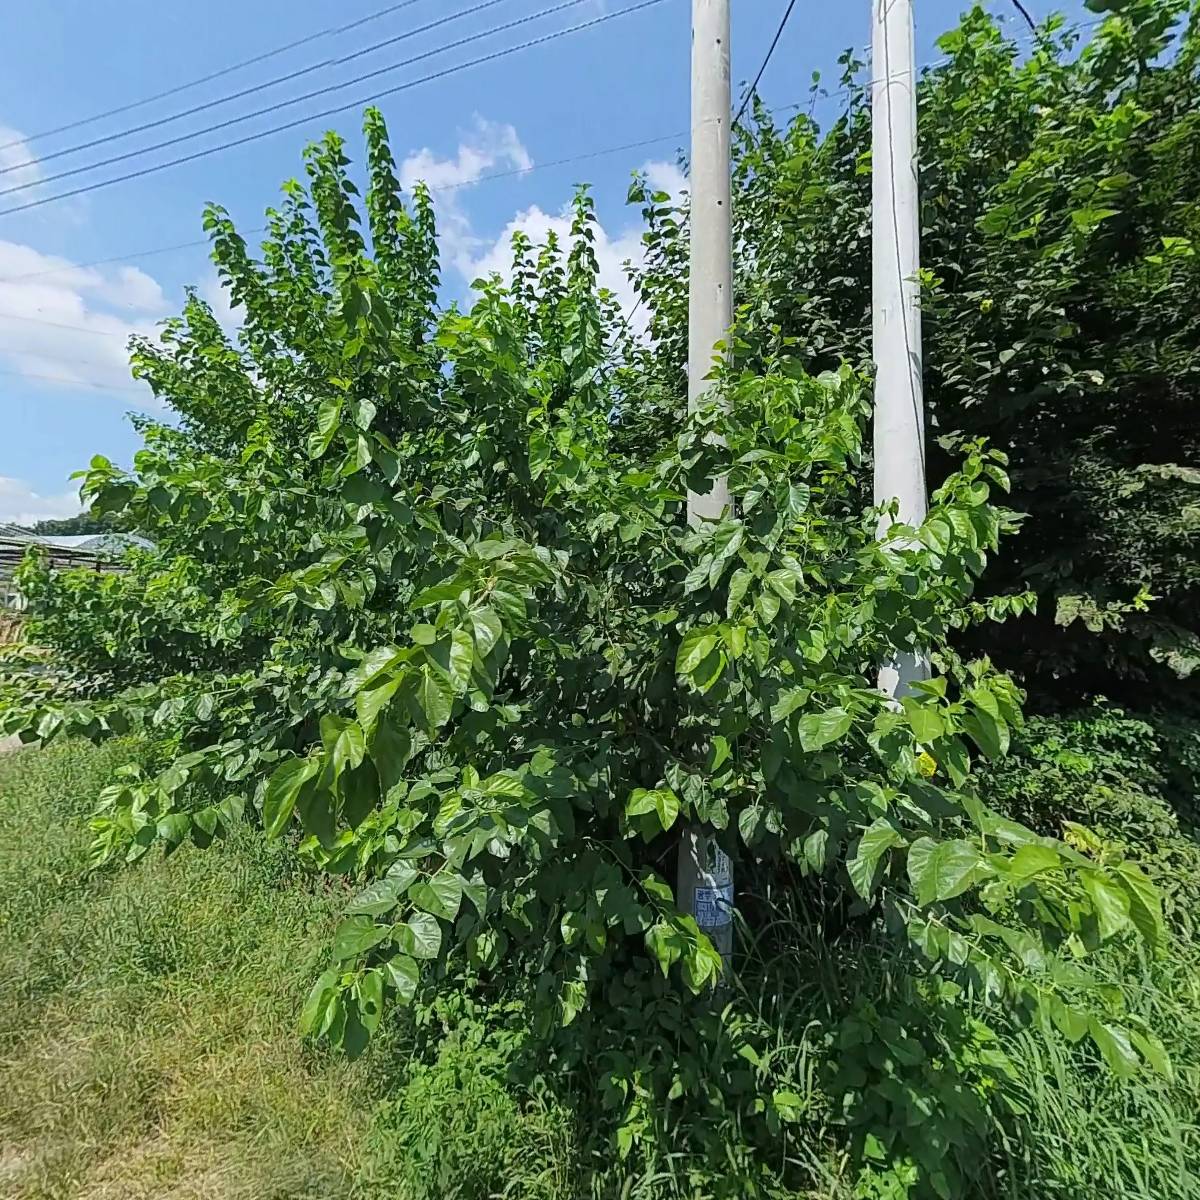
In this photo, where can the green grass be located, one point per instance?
(147, 1016)
(148, 1048)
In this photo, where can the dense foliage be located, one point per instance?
(1059, 222)
(422, 598)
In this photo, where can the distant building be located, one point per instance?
(95, 551)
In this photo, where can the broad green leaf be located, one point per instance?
(879, 837)
(356, 935)
(667, 943)
(702, 965)
(462, 656)
(1154, 1052)
(344, 742)
(432, 699)
(798, 498)
(750, 821)
(1109, 902)
(988, 732)
(390, 748)
(381, 896)
(368, 991)
(370, 702)
(789, 700)
(329, 415)
(1113, 1043)
(766, 605)
(924, 718)
(943, 870)
(718, 753)
(662, 802)
(404, 975)
(727, 538)
(420, 937)
(783, 583)
(449, 589)
(440, 895)
(1145, 903)
(739, 581)
(820, 728)
(789, 1106)
(486, 627)
(1071, 1022)
(475, 890)
(283, 789)
(504, 783)
(697, 644)
(377, 663)
(1032, 859)
(816, 849)
(323, 991)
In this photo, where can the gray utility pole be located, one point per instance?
(895, 292)
(705, 878)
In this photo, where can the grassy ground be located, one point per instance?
(148, 1048)
(147, 1016)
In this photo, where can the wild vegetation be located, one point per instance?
(423, 605)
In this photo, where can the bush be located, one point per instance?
(1132, 780)
(457, 1130)
(1060, 238)
(448, 631)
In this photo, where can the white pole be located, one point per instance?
(896, 294)
(705, 875)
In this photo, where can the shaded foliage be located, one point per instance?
(423, 600)
(1060, 225)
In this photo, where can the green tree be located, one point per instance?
(423, 598)
(1059, 234)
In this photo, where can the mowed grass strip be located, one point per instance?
(148, 1042)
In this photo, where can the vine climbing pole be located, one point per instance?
(899, 427)
(705, 878)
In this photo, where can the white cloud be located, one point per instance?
(490, 146)
(216, 295)
(493, 146)
(21, 505)
(666, 177)
(58, 326)
(612, 253)
(14, 152)
(66, 325)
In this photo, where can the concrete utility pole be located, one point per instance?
(705, 876)
(896, 295)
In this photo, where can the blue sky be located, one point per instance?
(64, 388)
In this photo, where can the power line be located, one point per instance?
(191, 135)
(7, 316)
(115, 258)
(770, 50)
(352, 104)
(100, 387)
(333, 31)
(31, 352)
(200, 242)
(249, 91)
(443, 187)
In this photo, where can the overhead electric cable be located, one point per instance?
(229, 122)
(352, 104)
(100, 387)
(770, 50)
(249, 91)
(198, 242)
(332, 31)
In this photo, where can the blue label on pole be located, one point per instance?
(714, 906)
